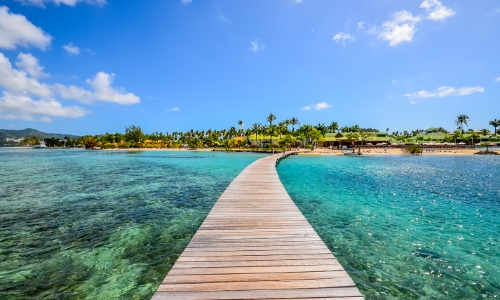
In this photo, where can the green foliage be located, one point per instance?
(134, 134)
(414, 149)
(108, 146)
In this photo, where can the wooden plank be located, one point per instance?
(335, 293)
(256, 244)
(257, 285)
(250, 277)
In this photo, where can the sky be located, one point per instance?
(96, 66)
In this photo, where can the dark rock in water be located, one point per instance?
(487, 153)
(426, 254)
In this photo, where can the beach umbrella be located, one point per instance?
(461, 143)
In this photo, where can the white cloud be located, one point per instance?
(73, 93)
(436, 11)
(256, 46)
(321, 105)
(29, 63)
(72, 49)
(318, 106)
(298, 1)
(16, 30)
(400, 28)
(103, 91)
(173, 109)
(20, 86)
(497, 79)
(18, 81)
(16, 106)
(445, 91)
(342, 37)
(186, 1)
(361, 26)
(41, 3)
(223, 19)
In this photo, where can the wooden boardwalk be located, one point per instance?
(256, 244)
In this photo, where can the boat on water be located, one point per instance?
(41, 146)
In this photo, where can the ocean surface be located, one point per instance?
(405, 227)
(93, 225)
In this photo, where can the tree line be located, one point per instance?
(270, 134)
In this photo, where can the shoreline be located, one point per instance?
(305, 152)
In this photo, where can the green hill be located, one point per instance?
(8, 133)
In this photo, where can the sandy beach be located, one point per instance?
(389, 151)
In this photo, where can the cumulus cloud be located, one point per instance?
(321, 105)
(256, 46)
(400, 28)
(15, 106)
(318, 106)
(361, 26)
(16, 30)
(72, 49)
(436, 11)
(41, 3)
(342, 37)
(26, 98)
(73, 93)
(103, 91)
(445, 91)
(18, 80)
(29, 63)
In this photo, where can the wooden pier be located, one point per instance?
(256, 244)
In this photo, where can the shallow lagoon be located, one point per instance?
(405, 227)
(90, 225)
(94, 225)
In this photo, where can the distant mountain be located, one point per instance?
(7, 133)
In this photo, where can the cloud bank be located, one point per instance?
(27, 98)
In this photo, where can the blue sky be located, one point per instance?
(95, 66)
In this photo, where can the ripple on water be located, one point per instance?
(405, 227)
(98, 225)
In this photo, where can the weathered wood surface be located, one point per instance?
(256, 244)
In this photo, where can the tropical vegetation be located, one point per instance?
(275, 135)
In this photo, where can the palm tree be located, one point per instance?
(334, 126)
(294, 121)
(240, 123)
(322, 128)
(461, 120)
(474, 135)
(256, 128)
(495, 123)
(270, 118)
(281, 128)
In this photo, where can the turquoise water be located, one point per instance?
(405, 227)
(90, 225)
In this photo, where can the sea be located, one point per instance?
(78, 224)
(405, 227)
